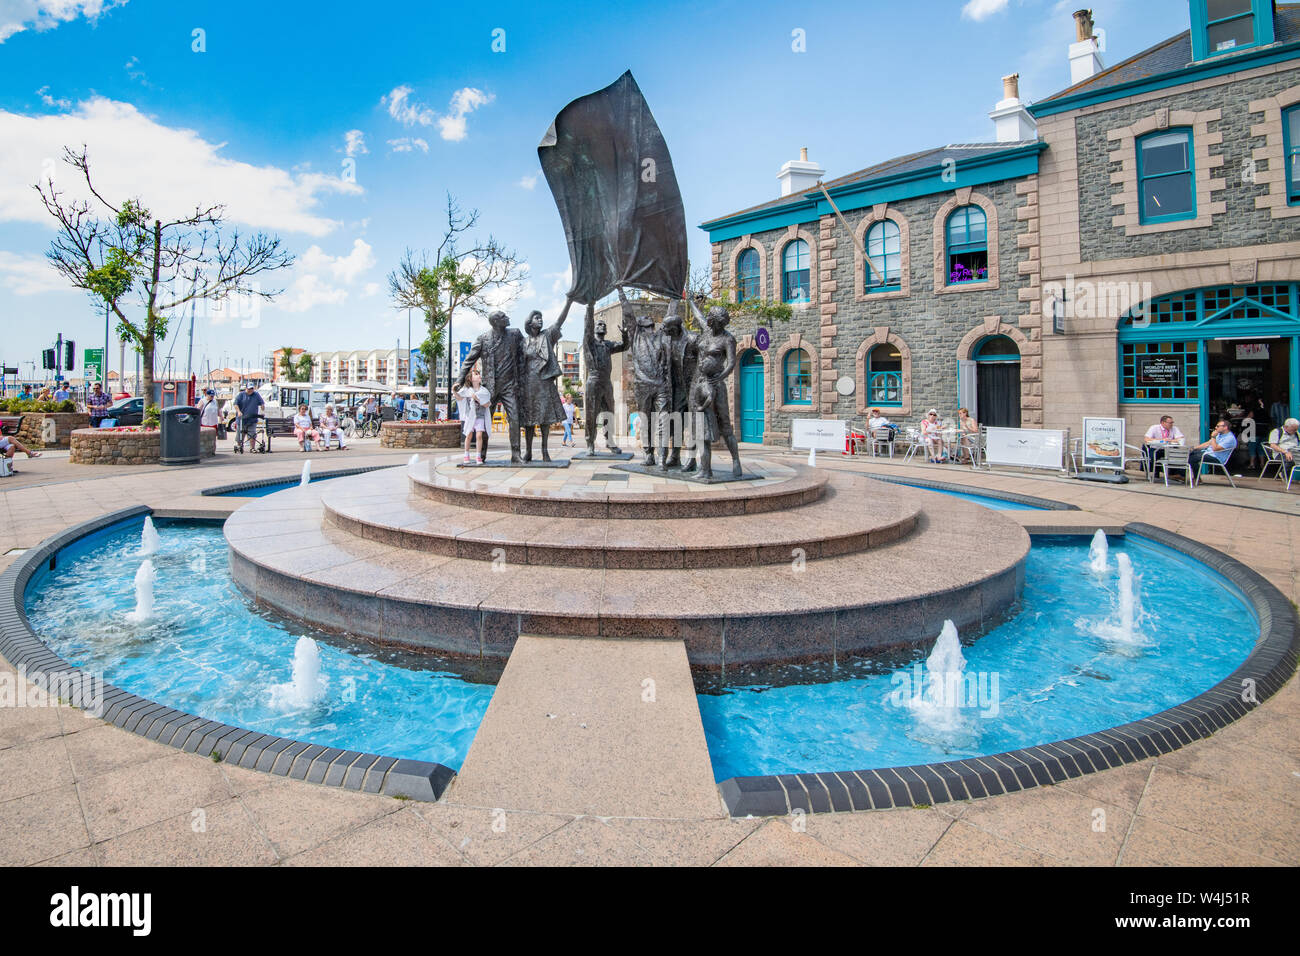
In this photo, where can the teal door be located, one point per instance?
(751, 396)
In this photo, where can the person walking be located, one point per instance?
(569, 409)
(249, 403)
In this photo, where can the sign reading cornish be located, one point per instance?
(1159, 371)
(1103, 443)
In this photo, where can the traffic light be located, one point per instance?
(69, 355)
(49, 360)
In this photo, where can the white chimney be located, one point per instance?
(798, 174)
(1010, 118)
(1085, 53)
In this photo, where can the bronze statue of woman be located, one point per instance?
(707, 402)
(541, 398)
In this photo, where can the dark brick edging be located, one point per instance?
(1047, 504)
(1269, 665)
(267, 482)
(296, 759)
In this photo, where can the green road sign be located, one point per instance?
(93, 362)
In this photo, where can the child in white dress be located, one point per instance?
(472, 404)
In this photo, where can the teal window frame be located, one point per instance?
(980, 355)
(880, 381)
(1189, 172)
(884, 260)
(966, 248)
(802, 266)
(801, 381)
(1260, 10)
(1291, 156)
(747, 282)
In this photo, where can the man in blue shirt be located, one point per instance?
(1219, 448)
(62, 394)
(248, 404)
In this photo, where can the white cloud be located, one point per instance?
(463, 102)
(371, 289)
(528, 182)
(983, 9)
(406, 111)
(355, 142)
(49, 100)
(407, 144)
(134, 72)
(19, 15)
(170, 169)
(29, 275)
(322, 279)
(451, 127)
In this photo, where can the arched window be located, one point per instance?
(884, 252)
(798, 378)
(747, 275)
(996, 348)
(795, 276)
(1165, 176)
(968, 245)
(1291, 146)
(884, 375)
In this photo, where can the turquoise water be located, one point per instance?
(208, 652)
(264, 490)
(988, 501)
(1059, 669)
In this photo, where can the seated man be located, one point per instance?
(1164, 431)
(1219, 447)
(876, 420)
(1286, 442)
(330, 428)
(10, 445)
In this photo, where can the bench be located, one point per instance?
(10, 424)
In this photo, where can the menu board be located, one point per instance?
(1025, 447)
(1159, 371)
(818, 433)
(1103, 443)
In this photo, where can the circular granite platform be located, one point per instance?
(862, 567)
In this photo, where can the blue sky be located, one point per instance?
(260, 120)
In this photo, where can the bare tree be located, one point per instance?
(455, 275)
(110, 250)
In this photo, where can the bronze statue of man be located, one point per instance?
(683, 347)
(598, 389)
(541, 406)
(708, 398)
(500, 354)
(651, 378)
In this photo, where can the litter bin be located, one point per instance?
(180, 435)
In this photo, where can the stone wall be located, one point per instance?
(102, 446)
(33, 427)
(928, 320)
(420, 435)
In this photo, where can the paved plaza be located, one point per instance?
(75, 790)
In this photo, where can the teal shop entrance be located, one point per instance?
(751, 396)
(1220, 351)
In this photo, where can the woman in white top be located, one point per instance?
(472, 404)
(208, 414)
(330, 428)
(303, 430)
(932, 436)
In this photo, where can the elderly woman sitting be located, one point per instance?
(932, 436)
(330, 428)
(303, 430)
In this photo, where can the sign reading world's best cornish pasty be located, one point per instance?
(1159, 371)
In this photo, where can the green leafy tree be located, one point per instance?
(478, 276)
(115, 249)
(746, 314)
(295, 369)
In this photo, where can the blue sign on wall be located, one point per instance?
(464, 350)
(417, 365)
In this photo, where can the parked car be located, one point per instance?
(127, 411)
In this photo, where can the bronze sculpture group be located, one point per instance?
(678, 379)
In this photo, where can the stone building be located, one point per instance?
(1105, 255)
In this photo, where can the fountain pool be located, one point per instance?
(1063, 666)
(205, 650)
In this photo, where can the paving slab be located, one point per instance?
(566, 717)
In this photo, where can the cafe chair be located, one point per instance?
(1272, 460)
(1208, 462)
(882, 442)
(1132, 453)
(1176, 457)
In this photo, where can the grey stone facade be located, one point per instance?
(1242, 224)
(934, 327)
